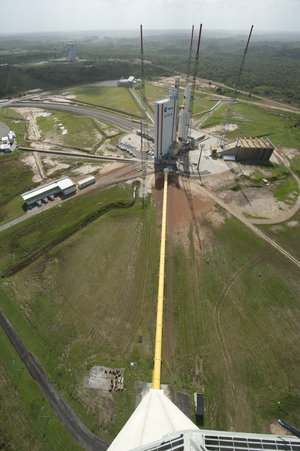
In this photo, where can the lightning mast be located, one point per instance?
(189, 124)
(190, 57)
(144, 122)
(233, 97)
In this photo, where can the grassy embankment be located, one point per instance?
(232, 309)
(15, 178)
(27, 420)
(24, 241)
(100, 297)
(82, 132)
(113, 99)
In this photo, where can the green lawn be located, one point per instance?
(110, 98)
(201, 105)
(83, 132)
(280, 126)
(23, 407)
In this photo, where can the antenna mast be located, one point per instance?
(189, 124)
(144, 122)
(190, 57)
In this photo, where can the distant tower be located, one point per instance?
(71, 51)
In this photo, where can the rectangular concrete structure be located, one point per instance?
(250, 150)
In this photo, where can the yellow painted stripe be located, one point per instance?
(160, 296)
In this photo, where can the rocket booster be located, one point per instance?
(185, 115)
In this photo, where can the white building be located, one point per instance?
(64, 187)
(165, 126)
(8, 143)
(130, 82)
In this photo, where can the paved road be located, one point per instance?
(66, 415)
(122, 122)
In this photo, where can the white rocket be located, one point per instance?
(184, 118)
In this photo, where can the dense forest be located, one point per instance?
(272, 66)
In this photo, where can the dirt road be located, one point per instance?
(72, 423)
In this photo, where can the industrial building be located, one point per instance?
(63, 187)
(165, 126)
(130, 82)
(71, 51)
(248, 150)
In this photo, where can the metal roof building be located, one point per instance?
(129, 82)
(64, 186)
(250, 150)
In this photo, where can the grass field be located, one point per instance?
(280, 126)
(15, 122)
(235, 310)
(231, 318)
(161, 92)
(95, 313)
(15, 178)
(113, 99)
(20, 243)
(23, 408)
(286, 234)
(83, 132)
